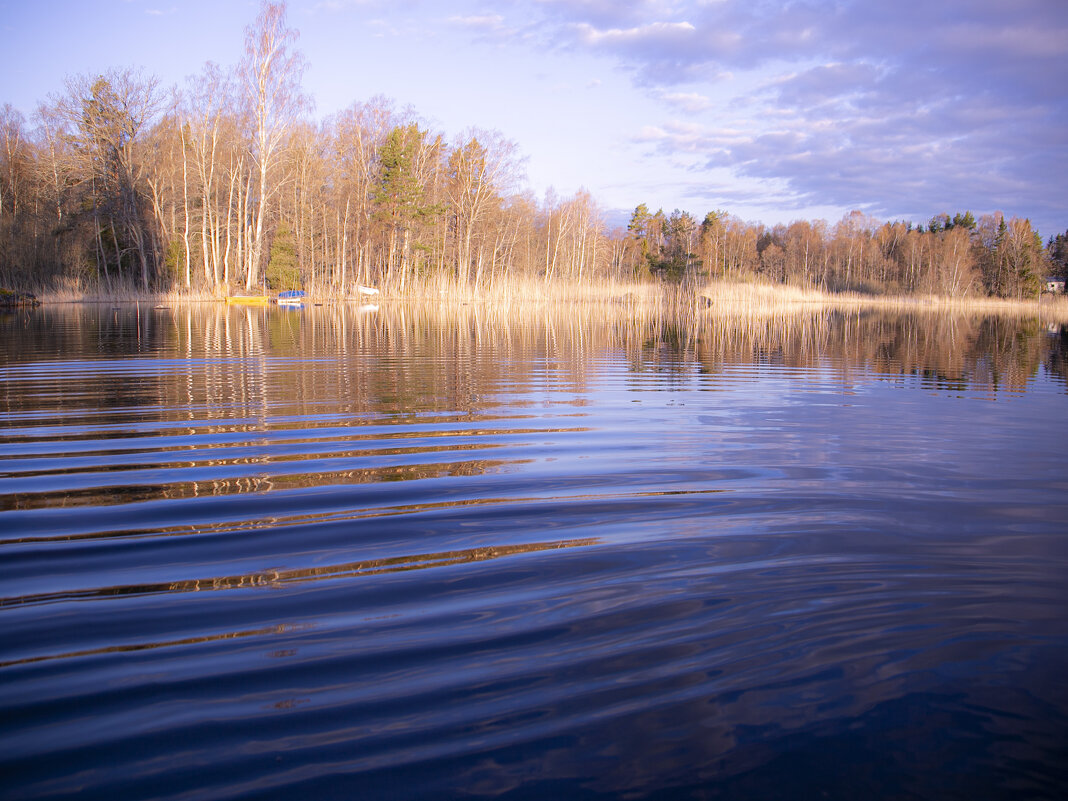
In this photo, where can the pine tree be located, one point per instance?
(282, 270)
(1057, 251)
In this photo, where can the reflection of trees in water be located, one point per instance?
(237, 367)
(116, 495)
(1057, 353)
(242, 364)
(947, 351)
(255, 396)
(299, 575)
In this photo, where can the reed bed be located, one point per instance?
(517, 296)
(739, 298)
(72, 293)
(513, 292)
(509, 296)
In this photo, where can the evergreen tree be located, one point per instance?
(1057, 253)
(680, 237)
(283, 272)
(400, 195)
(638, 227)
(965, 220)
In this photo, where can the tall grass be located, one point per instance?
(526, 290)
(511, 294)
(515, 295)
(737, 298)
(70, 291)
(732, 298)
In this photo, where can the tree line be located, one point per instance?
(117, 182)
(958, 255)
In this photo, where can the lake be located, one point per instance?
(404, 553)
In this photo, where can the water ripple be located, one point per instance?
(407, 558)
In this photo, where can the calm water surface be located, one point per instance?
(391, 554)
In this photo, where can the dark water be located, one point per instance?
(341, 554)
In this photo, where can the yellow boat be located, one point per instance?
(247, 300)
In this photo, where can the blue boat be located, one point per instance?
(291, 297)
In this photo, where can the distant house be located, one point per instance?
(1055, 285)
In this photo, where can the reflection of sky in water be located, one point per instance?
(396, 556)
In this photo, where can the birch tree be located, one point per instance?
(272, 70)
(482, 165)
(358, 135)
(206, 122)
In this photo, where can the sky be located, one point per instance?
(771, 111)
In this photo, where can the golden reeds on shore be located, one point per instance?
(517, 294)
(125, 294)
(743, 298)
(717, 298)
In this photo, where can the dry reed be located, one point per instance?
(737, 298)
(512, 296)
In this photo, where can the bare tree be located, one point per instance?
(359, 132)
(482, 165)
(15, 167)
(204, 131)
(272, 72)
(108, 113)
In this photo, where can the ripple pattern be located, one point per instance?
(399, 557)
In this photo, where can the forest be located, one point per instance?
(228, 184)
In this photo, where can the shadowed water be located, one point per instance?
(403, 554)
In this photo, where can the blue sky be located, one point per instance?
(773, 111)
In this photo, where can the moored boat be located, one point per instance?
(247, 300)
(291, 297)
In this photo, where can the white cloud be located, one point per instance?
(853, 103)
(652, 32)
(691, 102)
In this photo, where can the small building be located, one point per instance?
(1054, 286)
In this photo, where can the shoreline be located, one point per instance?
(735, 298)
